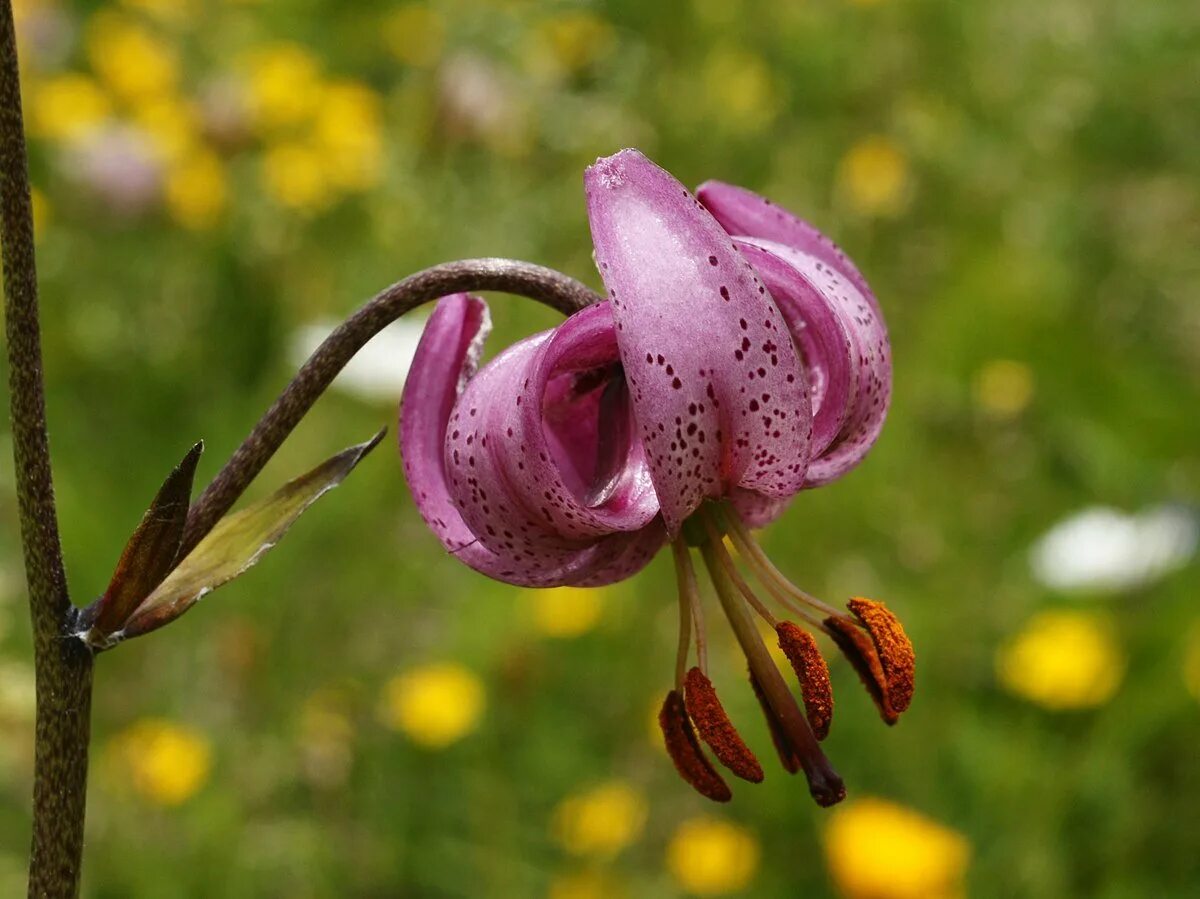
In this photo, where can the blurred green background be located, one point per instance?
(361, 715)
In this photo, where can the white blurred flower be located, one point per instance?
(45, 34)
(475, 96)
(377, 372)
(1103, 549)
(119, 164)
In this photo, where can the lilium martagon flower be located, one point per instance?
(740, 357)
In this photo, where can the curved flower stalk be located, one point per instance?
(738, 359)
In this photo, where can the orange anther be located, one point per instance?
(683, 747)
(893, 647)
(857, 647)
(802, 651)
(717, 730)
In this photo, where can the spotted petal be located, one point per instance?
(565, 433)
(844, 346)
(833, 316)
(718, 393)
(455, 425)
(744, 213)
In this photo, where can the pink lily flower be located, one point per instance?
(740, 357)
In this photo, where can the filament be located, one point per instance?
(767, 572)
(722, 555)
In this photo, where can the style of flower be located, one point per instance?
(739, 358)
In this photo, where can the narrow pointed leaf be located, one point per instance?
(239, 540)
(151, 551)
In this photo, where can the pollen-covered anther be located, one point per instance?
(893, 647)
(788, 756)
(857, 647)
(812, 672)
(683, 747)
(716, 729)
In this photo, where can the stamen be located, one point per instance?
(893, 647)
(788, 757)
(802, 651)
(685, 618)
(823, 782)
(718, 546)
(860, 651)
(690, 610)
(717, 730)
(683, 747)
(764, 569)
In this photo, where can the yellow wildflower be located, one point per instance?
(709, 857)
(434, 705)
(585, 885)
(67, 106)
(741, 89)
(415, 33)
(172, 124)
(284, 82)
(295, 176)
(570, 42)
(1191, 662)
(601, 821)
(873, 175)
(566, 612)
(349, 134)
(879, 850)
(196, 190)
(1003, 387)
(134, 63)
(1063, 660)
(163, 761)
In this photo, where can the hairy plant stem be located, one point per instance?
(63, 666)
(508, 275)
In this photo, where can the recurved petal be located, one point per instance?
(825, 345)
(755, 510)
(743, 212)
(565, 434)
(445, 360)
(501, 510)
(844, 347)
(623, 555)
(718, 394)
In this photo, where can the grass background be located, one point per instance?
(1036, 199)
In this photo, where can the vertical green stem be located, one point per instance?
(63, 665)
